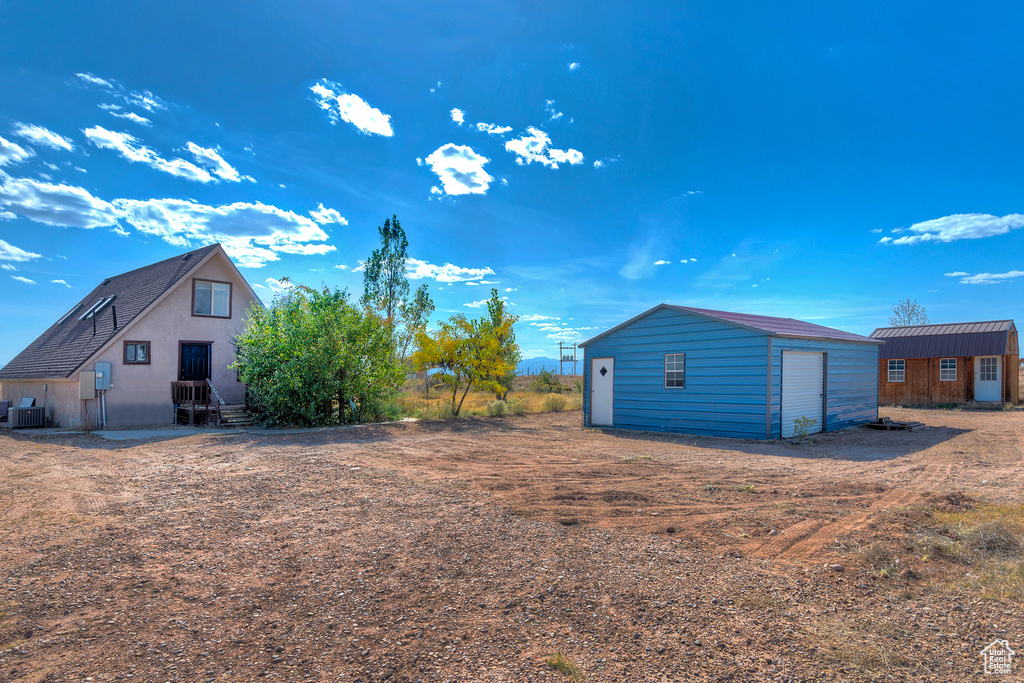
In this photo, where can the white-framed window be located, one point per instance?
(675, 370)
(988, 370)
(210, 298)
(897, 370)
(947, 369)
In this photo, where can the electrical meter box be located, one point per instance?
(86, 385)
(102, 376)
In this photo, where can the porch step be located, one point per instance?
(235, 415)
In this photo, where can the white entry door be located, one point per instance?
(988, 378)
(602, 391)
(803, 390)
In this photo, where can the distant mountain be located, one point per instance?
(532, 366)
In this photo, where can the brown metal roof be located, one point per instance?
(990, 338)
(783, 327)
(61, 349)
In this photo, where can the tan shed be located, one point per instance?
(953, 363)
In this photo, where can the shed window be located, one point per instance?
(947, 369)
(136, 353)
(675, 370)
(988, 370)
(211, 298)
(897, 370)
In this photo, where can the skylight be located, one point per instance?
(69, 313)
(96, 308)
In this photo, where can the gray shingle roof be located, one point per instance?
(61, 349)
(951, 340)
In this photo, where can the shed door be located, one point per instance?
(803, 390)
(602, 384)
(988, 378)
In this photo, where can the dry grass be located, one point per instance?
(477, 403)
(849, 645)
(988, 537)
(565, 666)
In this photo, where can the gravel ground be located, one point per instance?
(473, 551)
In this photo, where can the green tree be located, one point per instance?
(465, 352)
(908, 313)
(311, 355)
(385, 285)
(414, 314)
(501, 324)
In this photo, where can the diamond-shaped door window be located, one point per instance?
(604, 371)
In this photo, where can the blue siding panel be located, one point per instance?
(851, 379)
(725, 390)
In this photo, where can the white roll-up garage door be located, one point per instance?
(803, 387)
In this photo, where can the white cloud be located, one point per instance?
(63, 205)
(321, 215)
(549, 107)
(960, 226)
(7, 266)
(419, 270)
(460, 169)
(876, 230)
(129, 147)
(341, 266)
(477, 304)
(252, 234)
(95, 80)
(535, 146)
(146, 100)
(661, 262)
(130, 116)
(458, 116)
(574, 66)
(9, 252)
(599, 164)
(61, 282)
(473, 284)
(957, 273)
(23, 279)
(343, 106)
(282, 285)
(42, 136)
(214, 162)
(13, 153)
(493, 128)
(986, 278)
(536, 316)
(118, 230)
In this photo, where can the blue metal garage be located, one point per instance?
(699, 371)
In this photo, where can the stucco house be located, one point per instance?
(142, 332)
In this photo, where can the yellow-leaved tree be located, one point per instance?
(465, 352)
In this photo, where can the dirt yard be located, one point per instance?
(474, 550)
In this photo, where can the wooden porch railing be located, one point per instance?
(195, 393)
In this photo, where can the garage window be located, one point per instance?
(947, 369)
(675, 370)
(897, 370)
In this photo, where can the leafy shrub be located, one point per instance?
(515, 406)
(497, 408)
(547, 383)
(555, 403)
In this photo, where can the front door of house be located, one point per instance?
(195, 362)
(988, 378)
(602, 385)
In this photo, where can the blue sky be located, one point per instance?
(589, 160)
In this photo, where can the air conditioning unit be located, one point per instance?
(27, 417)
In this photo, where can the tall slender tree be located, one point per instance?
(501, 323)
(385, 285)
